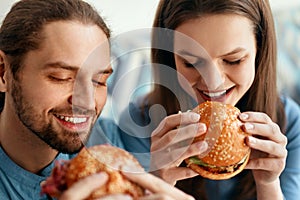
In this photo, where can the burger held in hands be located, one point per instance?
(96, 159)
(227, 153)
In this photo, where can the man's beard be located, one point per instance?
(62, 140)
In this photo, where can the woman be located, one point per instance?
(223, 51)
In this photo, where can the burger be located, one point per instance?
(95, 159)
(227, 154)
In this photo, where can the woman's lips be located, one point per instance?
(219, 96)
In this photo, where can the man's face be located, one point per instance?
(61, 88)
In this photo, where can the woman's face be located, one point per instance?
(216, 61)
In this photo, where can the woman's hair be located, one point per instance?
(21, 30)
(262, 95)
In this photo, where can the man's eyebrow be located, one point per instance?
(62, 65)
(106, 71)
(65, 66)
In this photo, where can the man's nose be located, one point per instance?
(83, 95)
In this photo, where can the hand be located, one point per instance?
(84, 188)
(171, 143)
(268, 145)
(157, 188)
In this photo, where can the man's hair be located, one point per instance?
(21, 30)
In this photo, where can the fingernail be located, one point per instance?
(201, 128)
(195, 117)
(202, 146)
(126, 197)
(244, 116)
(249, 126)
(102, 175)
(251, 140)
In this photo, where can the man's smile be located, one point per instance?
(74, 120)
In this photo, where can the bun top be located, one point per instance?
(111, 160)
(225, 138)
(101, 158)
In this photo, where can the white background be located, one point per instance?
(126, 15)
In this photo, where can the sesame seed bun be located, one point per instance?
(227, 153)
(95, 159)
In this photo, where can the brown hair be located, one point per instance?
(21, 30)
(262, 96)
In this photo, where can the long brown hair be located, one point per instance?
(262, 96)
(21, 30)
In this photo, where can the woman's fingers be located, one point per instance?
(84, 188)
(195, 149)
(258, 117)
(261, 123)
(267, 146)
(173, 155)
(270, 140)
(270, 131)
(173, 121)
(157, 197)
(116, 197)
(172, 175)
(266, 164)
(186, 134)
(157, 185)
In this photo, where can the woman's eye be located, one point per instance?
(235, 62)
(199, 63)
(189, 65)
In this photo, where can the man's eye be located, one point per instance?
(99, 83)
(60, 79)
(101, 80)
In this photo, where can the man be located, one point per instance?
(54, 63)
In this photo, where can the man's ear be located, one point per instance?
(3, 71)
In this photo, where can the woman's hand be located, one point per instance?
(268, 145)
(157, 189)
(171, 143)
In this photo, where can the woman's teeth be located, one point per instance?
(215, 94)
(74, 120)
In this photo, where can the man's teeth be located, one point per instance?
(74, 120)
(214, 94)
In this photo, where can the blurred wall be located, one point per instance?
(126, 15)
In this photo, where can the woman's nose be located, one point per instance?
(212, 76)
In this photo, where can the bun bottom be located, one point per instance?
(221, 176)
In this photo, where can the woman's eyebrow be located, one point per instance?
(236, 50)
(183, 52)
(190, 57)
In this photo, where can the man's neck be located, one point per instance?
(24, 147)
